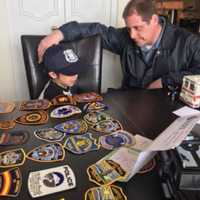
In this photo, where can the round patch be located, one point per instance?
(53, 179)
(117, 139)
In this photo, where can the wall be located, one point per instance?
(7, 89)
(121, 5)
(9, 73)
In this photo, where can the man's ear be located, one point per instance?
(155, 19)
(53, 75)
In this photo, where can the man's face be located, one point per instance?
(142, 32)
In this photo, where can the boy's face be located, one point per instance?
(64, 80)
(67, 80)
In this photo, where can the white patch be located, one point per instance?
(70, 56)
(50, 181)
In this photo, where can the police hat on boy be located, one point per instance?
(61, 59)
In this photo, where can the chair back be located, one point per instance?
(89, 49)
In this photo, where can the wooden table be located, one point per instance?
(140, 112)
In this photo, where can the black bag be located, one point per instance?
(179, 168)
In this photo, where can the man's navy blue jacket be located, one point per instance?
(177, 55)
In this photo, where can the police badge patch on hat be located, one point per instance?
(10, 183)
(76, 126)
(105, 172)
(65, 111)
(6, 107)
(35, 117)
(62, 100)
(105, 192)
(12, 158)
(8, 124)
(117, 139)
(96, 117)
(80, 144)
(51, 181)
(14, 137)
(52, 152)
(49, 134)
(95, 106)
(36, 104)
(107, 126)
(88, 97)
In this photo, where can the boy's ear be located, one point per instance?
(53, 75)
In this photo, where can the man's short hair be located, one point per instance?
(144, 8)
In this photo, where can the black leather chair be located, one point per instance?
(88, 48)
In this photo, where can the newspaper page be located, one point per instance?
(133, 158)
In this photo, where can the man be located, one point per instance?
(154, 54)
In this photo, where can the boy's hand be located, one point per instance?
(54, 38)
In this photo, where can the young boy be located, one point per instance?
(63, 66)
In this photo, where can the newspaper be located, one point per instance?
(133, 158)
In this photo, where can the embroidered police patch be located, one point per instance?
(35, 117)
(52, 152)
(6, 107)
(80, 144)
(10, 182)
(50, 181)
(65, 111)
(95, 106)
(88, 97)
(49, 134)
(61, 100)
(117, 139)
(14, 137)
(105, 172)
(77, 126)
(70, 56)
(107, 126)
(105, 192)
(8, 124)
(36, 104)
(96, 117)
(12, 158)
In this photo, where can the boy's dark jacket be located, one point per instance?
(54, 90)
(178, 53)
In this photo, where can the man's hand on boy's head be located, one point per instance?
(54, 38)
